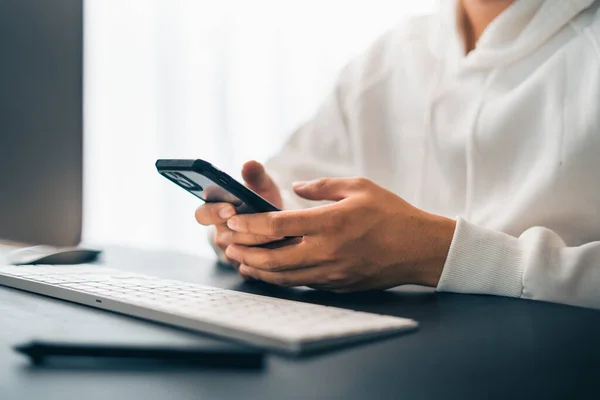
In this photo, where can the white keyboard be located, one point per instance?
(262, 321)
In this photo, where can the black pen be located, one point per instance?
(225, 357)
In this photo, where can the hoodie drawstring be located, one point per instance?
(471, 148)
(428, 116)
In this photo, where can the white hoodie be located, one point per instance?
(505, 139)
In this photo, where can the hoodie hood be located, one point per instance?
(520, 30)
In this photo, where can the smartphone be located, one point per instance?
(212, 185)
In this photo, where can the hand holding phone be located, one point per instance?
(222, 203)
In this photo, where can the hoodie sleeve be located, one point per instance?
(537, 265)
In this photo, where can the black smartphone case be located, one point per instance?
(257, 203)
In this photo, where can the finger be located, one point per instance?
(223, 247)
(281, 259)
(283, 223)
(245, 276)
(257, 179)
(334, 189)
(226, 236)
(302, 277)
(214, 213)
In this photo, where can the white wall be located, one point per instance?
(222, 80)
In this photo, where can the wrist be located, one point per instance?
(438, 241)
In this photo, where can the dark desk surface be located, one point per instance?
(467, 347)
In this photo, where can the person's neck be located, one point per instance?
(476, 15)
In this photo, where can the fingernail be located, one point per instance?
(225, 237)
(298, 184)
(232, 223)
(229, 252)
(274, 238)
(244, 270)
(226, 212)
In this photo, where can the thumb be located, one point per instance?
(257, 179)
(334, 189)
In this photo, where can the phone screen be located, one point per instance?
(206, 190)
